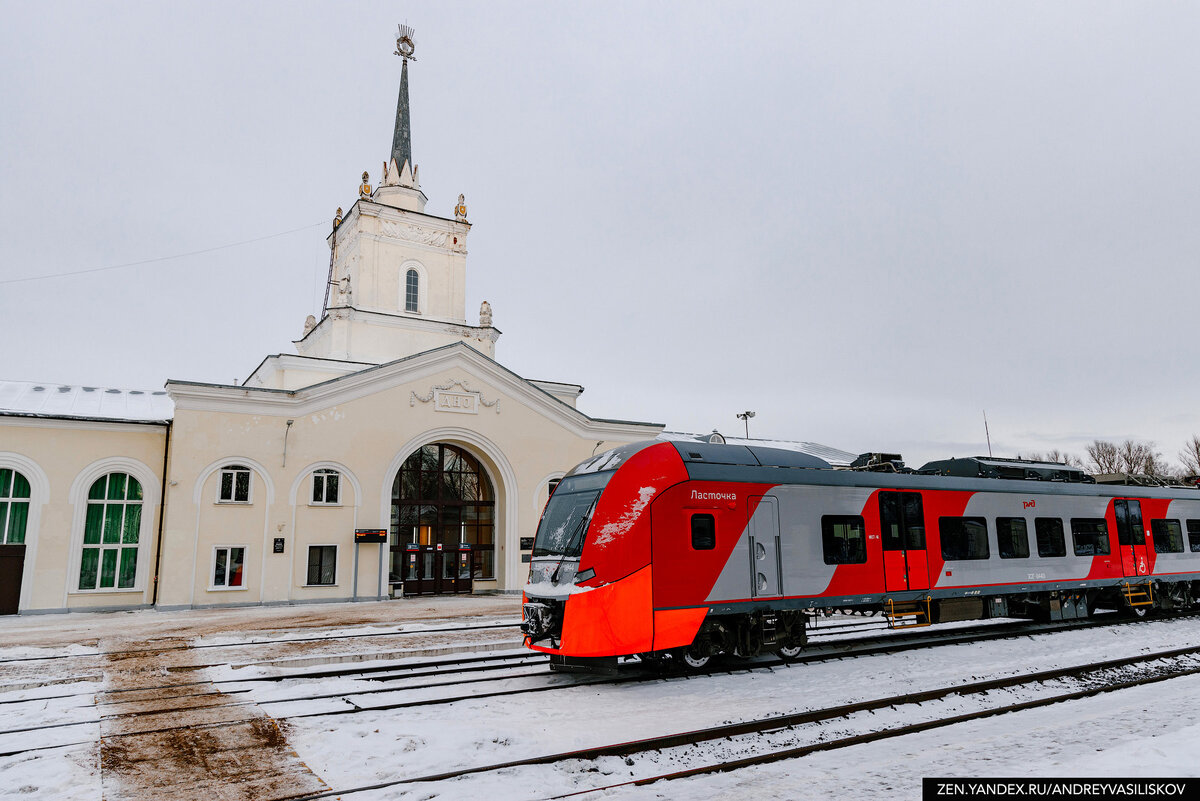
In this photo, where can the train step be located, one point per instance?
(907, 614)
(1138, 594)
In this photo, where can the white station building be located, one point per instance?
(391, 454)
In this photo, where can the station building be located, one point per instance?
(390, 454)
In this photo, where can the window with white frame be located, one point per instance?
(412, 293)
(235, 484)
(326, 487)
(322, 565)
(229, 562)
(111, 531)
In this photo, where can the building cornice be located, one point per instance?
(369, 208)
(91, 423)
(411, 322)
(265, 400)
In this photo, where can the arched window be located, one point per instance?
(442, 497)
(110, 533)
(235, 484)
(326, 487)
(14, 507)
(412, 287)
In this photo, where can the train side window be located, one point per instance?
(1168, 536)
(963, 538)
(845, 539)
(1050, 538)
(1194, 535)
(1090, 535)
(1012, 535)
(704, 532)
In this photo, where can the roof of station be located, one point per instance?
(45, 399)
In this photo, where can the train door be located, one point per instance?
(766, 568)
(1131, 537)
(902, 523)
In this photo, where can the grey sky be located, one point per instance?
(867, 222)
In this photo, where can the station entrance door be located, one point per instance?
(434, 570)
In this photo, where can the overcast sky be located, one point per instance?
(868, 222)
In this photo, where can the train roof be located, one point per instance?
(834, 456)
(751, 464)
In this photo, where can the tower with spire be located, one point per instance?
(397, 279)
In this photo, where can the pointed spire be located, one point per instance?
(402, 138)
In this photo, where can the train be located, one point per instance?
(685, 551)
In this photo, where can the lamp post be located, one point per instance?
(745, 418)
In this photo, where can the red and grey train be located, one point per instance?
(693, 550)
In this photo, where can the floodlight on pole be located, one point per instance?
(745, 418)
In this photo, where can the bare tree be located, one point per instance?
(1131, 456)
(1054, 456)
(1064, 458)
(1190, 456)
(1104, 457)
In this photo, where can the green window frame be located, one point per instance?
(14, 506)
(111, 532)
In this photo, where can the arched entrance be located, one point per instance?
(443, 504)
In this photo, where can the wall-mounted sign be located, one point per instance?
(526, 543)
(370, 535)
(526, 557)
(278, 547)
(461, 402)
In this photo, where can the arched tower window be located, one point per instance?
(412, 287)
(14, 507)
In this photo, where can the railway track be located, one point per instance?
(775, 738)
(360, 700)
(281, 641)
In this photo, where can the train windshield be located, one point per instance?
(565, 521)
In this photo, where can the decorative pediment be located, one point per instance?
(445, 399)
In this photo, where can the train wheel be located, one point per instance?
(693, 658)
(789, 653)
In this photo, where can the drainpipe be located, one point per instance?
(162, 516)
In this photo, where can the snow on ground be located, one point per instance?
(1132, 732)
(360, 749)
